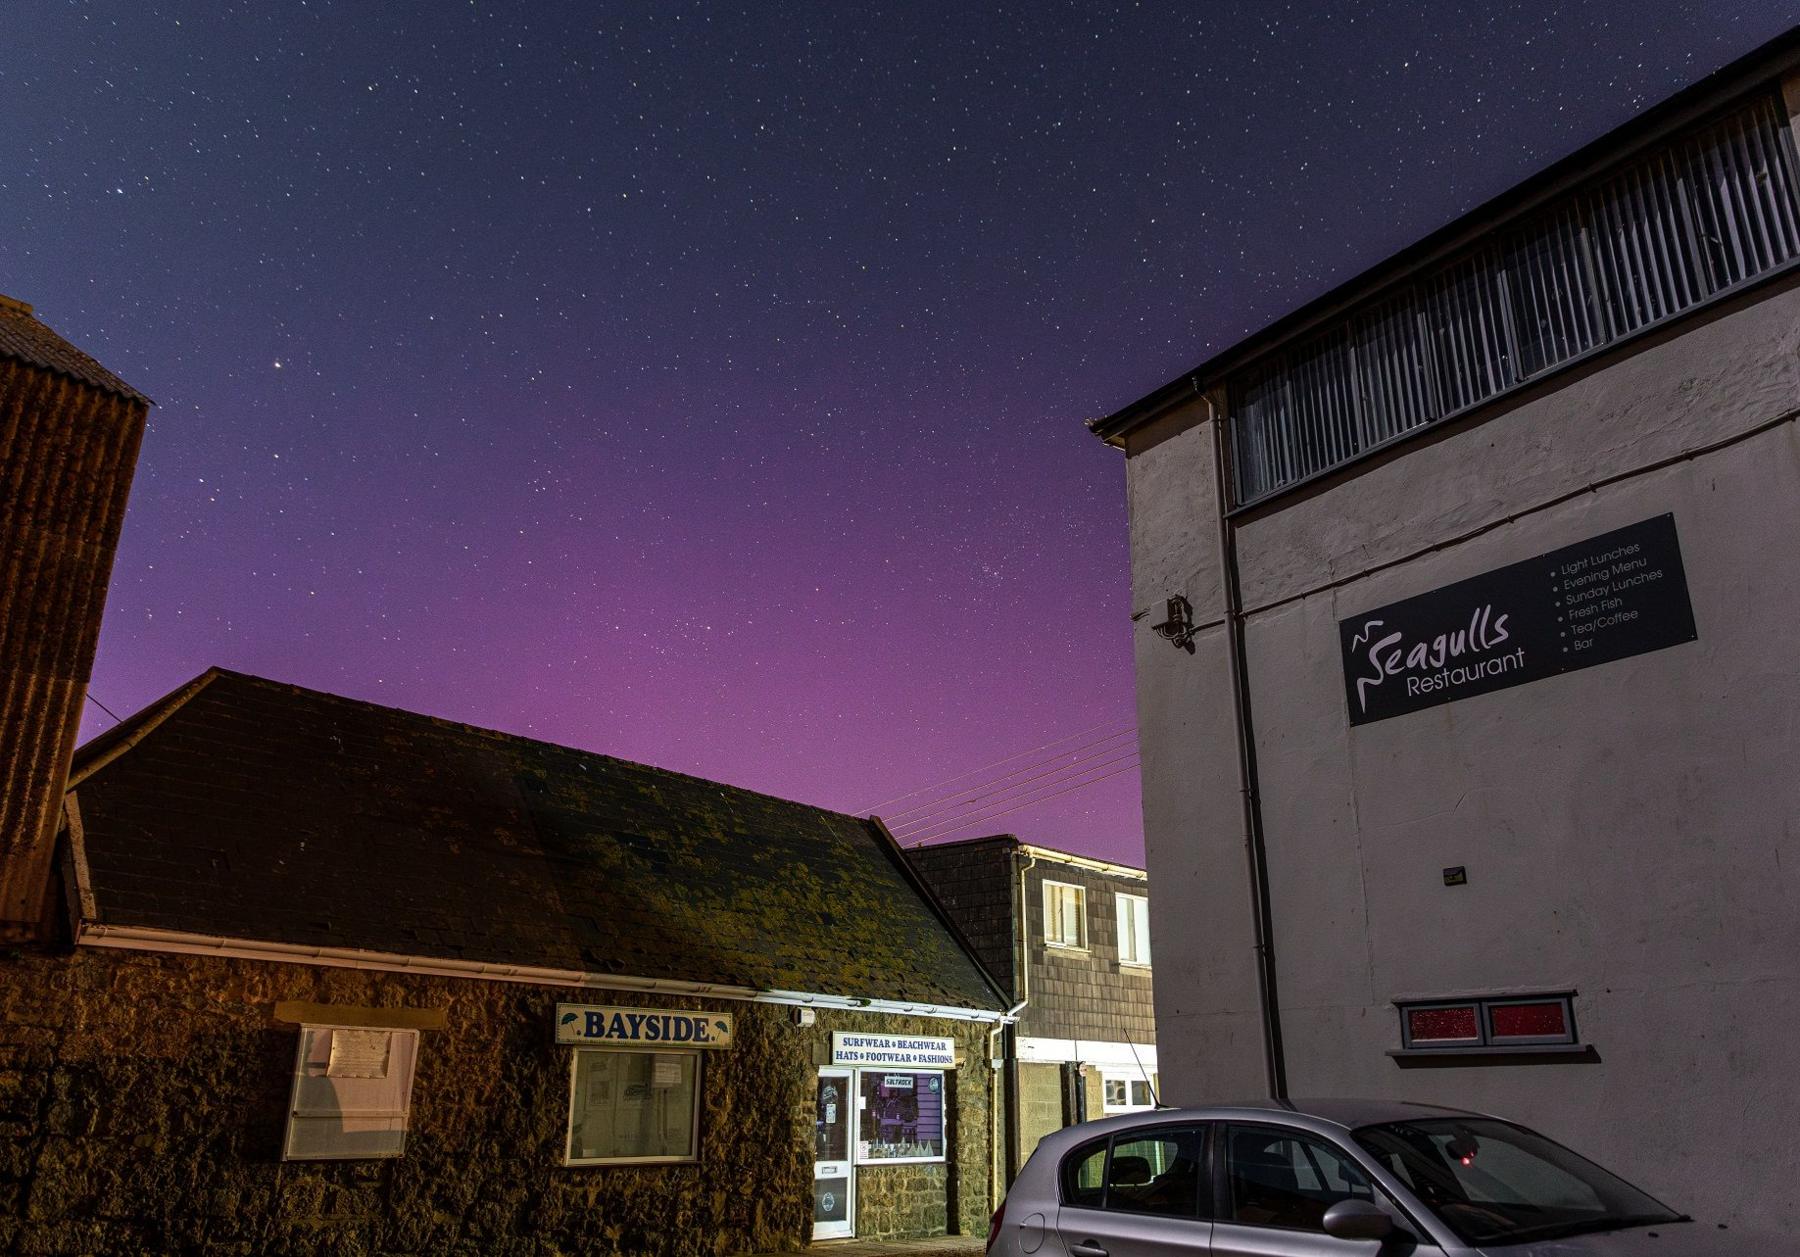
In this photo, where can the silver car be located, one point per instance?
(1326, 1177)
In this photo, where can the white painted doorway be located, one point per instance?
(834, 1174)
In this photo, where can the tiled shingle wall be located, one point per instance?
(1085, 994)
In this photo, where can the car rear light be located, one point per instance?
(994, 1226)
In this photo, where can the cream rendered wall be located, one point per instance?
(1629, 830)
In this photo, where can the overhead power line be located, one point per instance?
(865, 811)
(1008, 792)
(999, 805)
(103, 707)
(1052, 763)
(944, 833)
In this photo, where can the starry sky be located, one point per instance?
(705, 383)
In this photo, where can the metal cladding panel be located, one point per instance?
(67, 451)
(1712, 210)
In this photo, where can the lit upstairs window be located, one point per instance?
(1065, 915)
(1134, 930)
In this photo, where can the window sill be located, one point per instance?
(1534, 1053)
(1136, 966)
(1070, 949)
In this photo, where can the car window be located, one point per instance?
(1084, 1176)
(1154, 1171)
(1280, 1179)
(1157, 1172)
(1492, 1182)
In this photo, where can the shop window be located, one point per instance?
(352, 1093)
(1488, 1025)
(901, 1116)
(634, 1108)
(1134, 930)
(1065, 915)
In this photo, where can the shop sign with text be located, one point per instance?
(642, 1027)
(892, 1049)
(1620, 594)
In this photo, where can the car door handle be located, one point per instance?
(1087, 1248)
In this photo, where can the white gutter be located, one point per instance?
(1053, 856)
(143, 938)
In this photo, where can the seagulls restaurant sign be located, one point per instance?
(1620, 594)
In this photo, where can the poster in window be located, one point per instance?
(358, 1054)
(902, 1116)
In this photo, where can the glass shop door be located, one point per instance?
(834, 1178)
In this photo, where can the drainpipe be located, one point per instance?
(997, 1076)
(1255, 850)
(1022, 969)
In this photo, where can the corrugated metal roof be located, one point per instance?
(24, 338)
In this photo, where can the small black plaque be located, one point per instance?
(1456, 875)
(1620, 594)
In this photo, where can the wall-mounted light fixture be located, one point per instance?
(1179, 628)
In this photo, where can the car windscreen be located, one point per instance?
(1495, 1183)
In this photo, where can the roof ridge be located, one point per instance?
(503, 735)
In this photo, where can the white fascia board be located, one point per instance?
(1051, 856)
(143, 938)
(1088, 1051)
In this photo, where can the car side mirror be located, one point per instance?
(1358, 1220)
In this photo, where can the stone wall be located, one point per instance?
(1040, 1105)
(901, 1200)
(143, 1103)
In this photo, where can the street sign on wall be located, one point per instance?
(1619, 594)
(642, 1027)
(926, 1051)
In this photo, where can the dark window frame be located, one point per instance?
(1487, 1042)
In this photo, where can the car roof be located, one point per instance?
(1321, 1116)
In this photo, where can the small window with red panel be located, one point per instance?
(1488, 1024)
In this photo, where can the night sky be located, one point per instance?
(704, 384)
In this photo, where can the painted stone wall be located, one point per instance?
(143, 1101)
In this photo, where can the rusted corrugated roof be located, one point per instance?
(24, 338)
(253, 810)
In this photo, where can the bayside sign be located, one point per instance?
(619, 1027)
(892, 1049)
(1620, 594)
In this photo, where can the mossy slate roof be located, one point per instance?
(255, 810)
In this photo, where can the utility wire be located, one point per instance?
(103, 707)
(1043, 790)
(929, 838)
(960, 776)
(1054, 761)
(1006, 793)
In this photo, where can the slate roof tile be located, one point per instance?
(261, 811)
